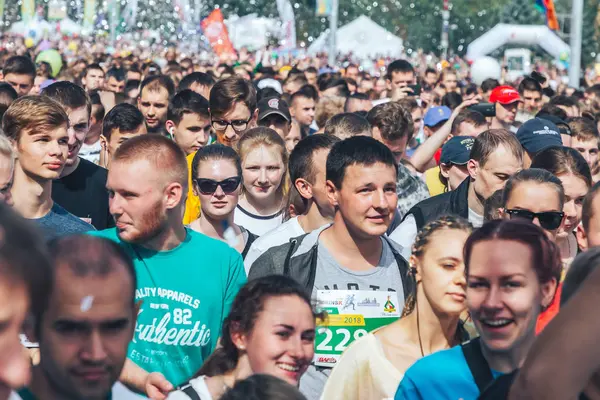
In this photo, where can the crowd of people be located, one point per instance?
(240, 232)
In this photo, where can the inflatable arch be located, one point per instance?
(503, 34)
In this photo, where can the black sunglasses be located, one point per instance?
(209, 186)
(549, 220)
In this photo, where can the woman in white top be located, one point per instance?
(372, 367)
(269, 330)
(264, 168)
(217, 177)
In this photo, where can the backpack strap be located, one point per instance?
(189, 390)
(477, 363)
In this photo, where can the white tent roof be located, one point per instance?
(363, 38)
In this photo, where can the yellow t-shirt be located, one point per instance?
(432, 180)
(192, 204)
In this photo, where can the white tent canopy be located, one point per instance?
(503, 34)
(363, 38)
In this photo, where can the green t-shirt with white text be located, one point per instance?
(186, 294)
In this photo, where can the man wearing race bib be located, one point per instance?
(351, 257)
(186, 281)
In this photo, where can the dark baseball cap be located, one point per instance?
(457, 150)
(538, 134)
(273, 105)
(562, 125)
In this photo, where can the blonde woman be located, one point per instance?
(264, 169)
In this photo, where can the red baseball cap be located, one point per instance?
(504, 95)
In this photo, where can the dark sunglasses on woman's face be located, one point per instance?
(549, 220)
(209, 186)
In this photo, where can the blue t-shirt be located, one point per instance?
(441, 375)
(186, 294)
(60, 222)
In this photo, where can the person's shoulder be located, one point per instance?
(110, 233)
(89, 169)
(277, 236)
(69, 221)
(438, 365)
(207, 244)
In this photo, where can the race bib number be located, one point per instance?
(351, 314)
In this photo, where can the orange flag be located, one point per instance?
(551, 18)
(216, 32)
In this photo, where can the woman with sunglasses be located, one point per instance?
(264, 168)
(537, 196)
(217, 176)
(574, 173)
(512, 269)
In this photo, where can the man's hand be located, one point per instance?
(401, 93)
(157, 387)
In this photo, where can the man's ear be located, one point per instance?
(174, 195)
(473, 168)
(170, 126)
(332, 194)
(304, 188)
(582, 240)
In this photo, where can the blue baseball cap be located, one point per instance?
(457, 150)
(538, 134)
(435, 115)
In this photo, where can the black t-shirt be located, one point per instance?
(83, 194)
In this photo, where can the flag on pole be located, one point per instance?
(546, 7)
(216, 33)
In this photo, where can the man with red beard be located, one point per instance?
(185, 296)
(80, 187)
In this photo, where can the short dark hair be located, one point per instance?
(560, 160)
(125, 117)
(8, 94)
(226, 92)
(20, 65)
(354, 96)
(551, 109)
(469, 116)
(430, 70)
(565, 101)
(399, 66)
(201, 78)
(311, 70)
(339, 84)
(307, 92)
(452, 100)
(393, 121)
(69, 95)
(24, 258)
(85, 255)
(98, 114)
(489, 84)
(155, 82)
(301, 159)
(187, 102)
(117, 73)
(361, 150)
(487, 143)
(529, 84)
(91, 67)
(132, 85)
(346, 125)
(263, 386)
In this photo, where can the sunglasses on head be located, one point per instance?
(209, 186)
(549, 220)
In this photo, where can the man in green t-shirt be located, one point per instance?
(186, 281)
